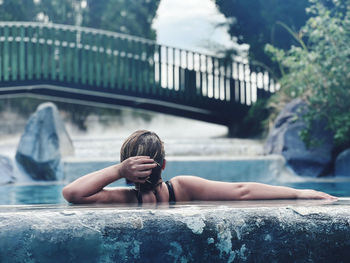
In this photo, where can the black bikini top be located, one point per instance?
(172, 199)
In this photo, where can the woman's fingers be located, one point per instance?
(144, 161)
(139, 156)
(144, 173)
(143, 167)
(142, 158)
(321, 195)
(138, 168)
(327, 196)
(141, 161)
(312, 194)
(144, 164)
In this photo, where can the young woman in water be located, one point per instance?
(142, 160)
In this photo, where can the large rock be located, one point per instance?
(342, 164)
(43, 143)
(6, 171)
(284, 139)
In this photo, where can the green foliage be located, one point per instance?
(125, 16)
(318, 70)
(256, 22)
(59, 11)
(17, 10)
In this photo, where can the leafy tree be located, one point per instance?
(59, 11)
(17, 10)
(256, 22)
(93, 13)
(130, 17)
(318, 69)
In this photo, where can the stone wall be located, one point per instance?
(303, 231)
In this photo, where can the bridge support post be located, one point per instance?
(236, 125)
(235, 129)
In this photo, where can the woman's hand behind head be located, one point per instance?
(137, 169)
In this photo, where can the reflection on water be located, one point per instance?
(31, 194)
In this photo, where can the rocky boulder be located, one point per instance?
(342, 164)
(284, 139)
(43, 143)
(6, 171)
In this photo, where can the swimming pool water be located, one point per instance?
(50, 193)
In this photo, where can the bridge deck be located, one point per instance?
(88, 65)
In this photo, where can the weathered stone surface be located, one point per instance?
(342, 164)
(284, 139)
(6, 171)
(188, 233)
(43, 143)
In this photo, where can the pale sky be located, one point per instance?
(190, 24)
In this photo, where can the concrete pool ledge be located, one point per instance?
(274, 231)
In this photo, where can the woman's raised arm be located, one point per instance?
(89, 188)
(196, 188)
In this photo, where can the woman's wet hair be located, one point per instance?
(145, 143)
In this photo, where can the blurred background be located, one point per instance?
(209, 76)
(238, 29)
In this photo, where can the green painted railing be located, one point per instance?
(87, 58)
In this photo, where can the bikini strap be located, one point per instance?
(171, 192)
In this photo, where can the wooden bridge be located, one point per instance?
(85, 65)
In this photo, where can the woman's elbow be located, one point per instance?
(243, 192)
(70, 195)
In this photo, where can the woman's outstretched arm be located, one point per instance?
(90, 188)
(196, 188)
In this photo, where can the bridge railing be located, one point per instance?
(90, 58)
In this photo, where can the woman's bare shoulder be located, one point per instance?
(184, 185)
(185, 180)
